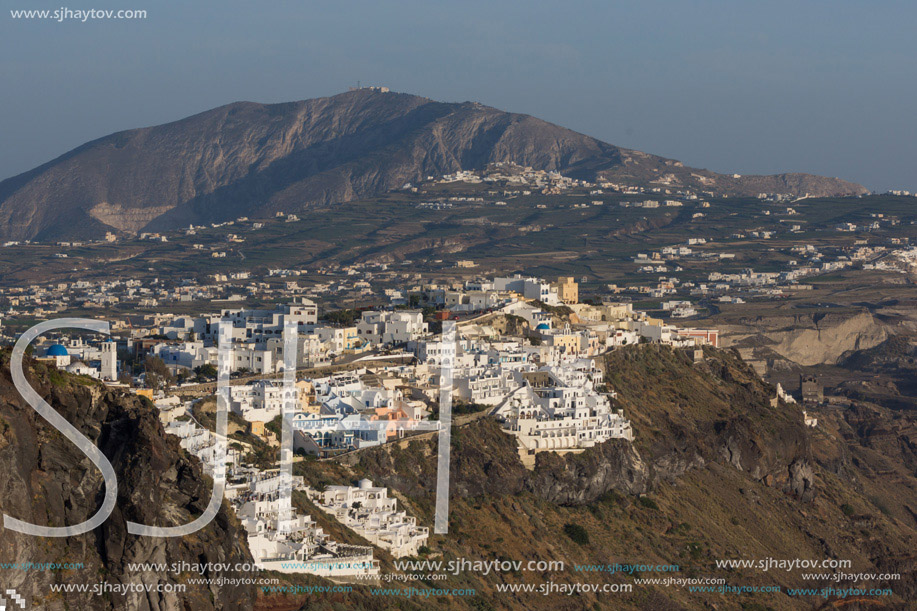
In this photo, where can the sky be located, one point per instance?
(825, 87)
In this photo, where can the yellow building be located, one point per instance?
(352, 341)
(567, 289)
(617, 311)
(306, 393)
(566, 342)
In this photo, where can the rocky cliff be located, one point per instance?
(46, 480)
(809, 339)
(718, 469)
(255, 159)
(685, 415)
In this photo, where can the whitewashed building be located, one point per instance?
(370, 512)
(400, 326)
(560, 411)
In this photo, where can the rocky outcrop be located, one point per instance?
(256, 159)
(726, 417)
(579, 479)
(801, 480)
(810, 339)
(883, 431)
(830, 338)
(688, 414)
(895, 355)
(46, 480)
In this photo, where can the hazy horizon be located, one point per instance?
(822, 89)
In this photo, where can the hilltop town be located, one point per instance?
(525, 355)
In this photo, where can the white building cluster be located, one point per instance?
(95, 359)
(281, 539)
(202, 443)
(561, 409)
(347, 413)
(371, 513)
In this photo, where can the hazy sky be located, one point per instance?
(827, 87)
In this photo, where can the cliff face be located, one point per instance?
(715, 471)
(688, 414)
(809, 339)
(685, 416)
(46, 480)
(254, 159)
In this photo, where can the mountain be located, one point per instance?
(255, 159)
(46, 480)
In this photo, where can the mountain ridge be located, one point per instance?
(247, 158)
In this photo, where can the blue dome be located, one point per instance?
(543, 327)
(57, 350)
